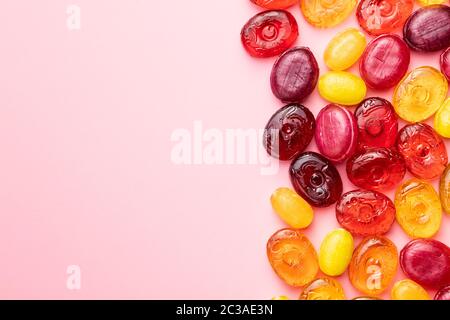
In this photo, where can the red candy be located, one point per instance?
(275, 4)
(269, 33)
(443, 293)
(445, 63)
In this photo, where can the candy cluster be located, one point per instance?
(378, 153)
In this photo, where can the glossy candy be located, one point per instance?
(366, 298)
(408, 290)
(342, 87)
(292, 257)
(384, 62)
(377, 123)
(426, 262)
(289, 131)
(328, 13)
(323, 289)
(424, 151)
(444, 190)
(291, 208)
(374, 265)
(336, 252)
(275, 4)
(294, 75)
(419, 210)
(442, 119)
(430, 2)
(280, 298)
(316, 179)
(376, 169)
(365, 213)
(428, 29)
(445, 63)
(344, 49)
(269, 33)
(336, 133)
(383, 16)
(443, 293)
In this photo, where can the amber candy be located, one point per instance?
(328, 13)
(444, 190)
(323, 289)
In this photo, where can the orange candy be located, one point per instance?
(274, 4)
(323, 289)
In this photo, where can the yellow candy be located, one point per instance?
(291, 208)
(444, 189)
(419, 210)
(408, 290)
(280, 298)
(420, 94)
(430, 2)
(342, 88)
(336, 252)
(323, 289)
(442, 120)
(345, 49)
(326, 13)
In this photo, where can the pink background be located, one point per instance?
(86, 176)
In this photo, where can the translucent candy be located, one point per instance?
(336, 252)
(344, 49)
(280, 298)
(275, 4)
(444, 190)
(408, 290)
(323, 289)
(366, 298)
(430, 2)
(342, 87)
(326, 13)
(443, 293)
(445, 63)
(442, 119)
(291, 208)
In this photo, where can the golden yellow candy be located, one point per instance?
(420, 94)
(291, 208)
(326, 13)
(280, 298)
(444, 190)
(408, 290)
(345, 49)
(442, 119)
(342, 87)
(419, 211)
(336, 252)
(430, 2)
(323, 289)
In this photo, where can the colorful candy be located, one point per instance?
(374, 265)
(336, 252)
(323, 289)
(366, 298)
(365, 213)
(275, 4)
(292, 257)
(325, 14)
(430, 2)
(408, 290)
(419, 210)
(336, 133)
(291, 208)
(442, 119)
(294, 75)
(344, 49)
(443, 293)
(316, 179)
(445, 63)
(280, 298)
(444, 190)
(342, 87)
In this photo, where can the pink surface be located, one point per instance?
(86, 176)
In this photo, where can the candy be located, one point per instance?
(289, 131)
(269, 33)
(336, 252)
(419, 210)
(443, 293)
(342, 88)
(275, 4)
(445, 63)
(291, 208)
(424, 151)
(376, 169)
(366, 298)
(325, 14)
(384, 62)
(408, 290)
(420, 94)
(430, 2)
(294, 75)
(383, 16)
(336, 133)
(292, 257)
(365, 213)
(323, 289)
(316, 179)
(442, 119)
(428, 29)
(377, 123)
(373, 265)
(344, 49)
(426, 262)
(280, 298)
(444, 190)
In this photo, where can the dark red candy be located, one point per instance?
(443, 293)
(365, 213)
(294, 75)
(289, 131)
(428, 29)
(316, 179)
(376, 169)
(269, 33)
(445, 63)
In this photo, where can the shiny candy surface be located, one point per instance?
(344, 49)
(408, 290)
(445, 63)
(342, 87)
(323, 289)
(336, 252)
(444, 190)
(291, 208)
(442, 119)
(275, 4)
(326, 13)
(443, 293)
(280, 298)
(430, 2)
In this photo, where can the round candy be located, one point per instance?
(443, 293)
(289, 131)
(291, 208)
(342, 87)
(294, 75)
(336, 133)
(292, 257)
(365, 213)
(336, 252)
(428, 29)
(444, 190)
(383, 16)
(328, 13)
(408, 290)
(316, 179)
(445, 63)
(426, 262)
(384, 62)
(275, 4)
(344, 49)
(323, 289)
(376, 169)
(424, 151)
(269, 33)
(377, 123)
(419, 210)
(442, 119)
(374, 265)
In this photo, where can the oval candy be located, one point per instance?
(328, 13)
(444, 190)
(408, 290)
(336, 252)
(344, 49)
(442, 119)
(323, 289)
(443, 293)
(445, 63)
(275, 4)
(342, 87)
(291, 208)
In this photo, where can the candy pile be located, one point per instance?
(376, 152)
